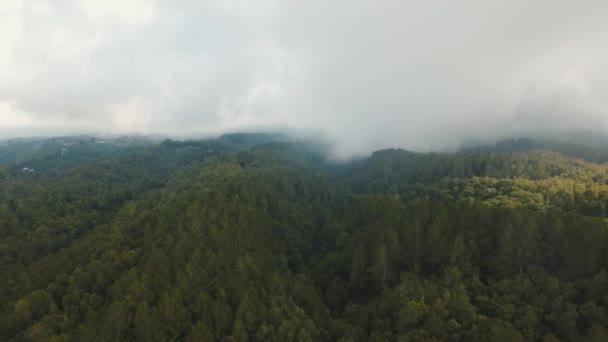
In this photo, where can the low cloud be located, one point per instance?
(412, 74)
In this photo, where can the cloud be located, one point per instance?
(371, 74)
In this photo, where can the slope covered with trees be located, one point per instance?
(246, 238)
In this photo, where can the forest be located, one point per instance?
(263, 237)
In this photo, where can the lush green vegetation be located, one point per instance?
(246, 239)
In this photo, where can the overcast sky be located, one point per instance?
(370, 74)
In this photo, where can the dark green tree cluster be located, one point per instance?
(251, 240)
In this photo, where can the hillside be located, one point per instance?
(260, 238)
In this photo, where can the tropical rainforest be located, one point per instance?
(262, 237)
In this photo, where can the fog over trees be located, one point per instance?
(413, 170)
(369, 75)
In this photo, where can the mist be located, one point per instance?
(366, 74)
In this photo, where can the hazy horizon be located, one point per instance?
(365, 75)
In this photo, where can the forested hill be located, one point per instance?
(260, 238)
(591, 148)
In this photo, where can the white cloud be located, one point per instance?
(415, 74)
(130, 12)
(11, 118)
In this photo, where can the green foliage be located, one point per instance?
(248, 239)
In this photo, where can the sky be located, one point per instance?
(422, 75)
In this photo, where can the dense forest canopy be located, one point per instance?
(258, 237)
